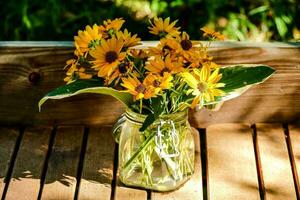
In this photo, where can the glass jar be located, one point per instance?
(160, 158)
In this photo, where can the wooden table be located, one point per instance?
(248, 150)
(233, 161)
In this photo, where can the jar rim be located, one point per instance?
(140, 118)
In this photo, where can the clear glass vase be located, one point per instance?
(160, 158)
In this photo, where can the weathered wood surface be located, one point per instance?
(8, 138)
(275, 162)
(263, 103)
(231, 162)
(97, 173)
(29, 164)
(60, 181)
(232, 168)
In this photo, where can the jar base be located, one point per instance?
(164, 187)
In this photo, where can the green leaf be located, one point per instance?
(86, 86)
(157, 105)
(239, 78)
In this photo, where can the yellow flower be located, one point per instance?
(129, 41)
(87, 39)
(139, 53)
(110, 27)
(123, 70)
(166, 46)
(211, 33)
(187, 47)
(137, 89)
(159, 83)
(107, 56)
(160, 67)
(74, 72)
(204, 85)
(163, 28)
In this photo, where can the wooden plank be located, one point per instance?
(192, 189)
(294, 133)
(123, 193)
(20, 107)
(97, 171)
(25, 180)
(8, 138)
(277, 173)
(231, 162)
(60, 181)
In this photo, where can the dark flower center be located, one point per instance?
(166, 48)
(123, 67)
(140, 88)
(202, 87)
(187, 64)
(156, 83)
(111, 56)
(186, 44)
(164, 70)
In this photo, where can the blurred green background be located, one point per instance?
(261, 20)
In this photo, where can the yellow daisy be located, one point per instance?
(187, 47)
(74, 72)
(159, 83)
(110, 27)
(129, 41)
(166, 46)
(137, 89)
(160, 66)
(124, 69)
(108, 56)
(211, 33)
(163, 28)
(204, 85)
(87, 39)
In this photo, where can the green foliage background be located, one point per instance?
(260, 20)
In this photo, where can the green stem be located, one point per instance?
(143, 146)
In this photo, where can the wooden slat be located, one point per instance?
(8, 137)
(61, 174)
(294, 132)
(124, 193)
(193, 188)
(20, 107)
(98, 165)
(278, 178)
(231, 162)
(25, 180)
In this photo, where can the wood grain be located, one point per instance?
(294, 132)
(193, 188)
(98, 165)
(8, 138)
(25, 180)
(231, 162)
(60, 181)
(276, 167)
(263, 103)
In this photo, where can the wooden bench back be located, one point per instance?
(28, 70)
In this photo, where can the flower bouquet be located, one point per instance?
(157, 85)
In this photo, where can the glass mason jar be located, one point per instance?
(160, 158)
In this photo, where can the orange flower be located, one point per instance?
(163, 28)
(74, 72)
(211, 33)
(110, 27)
(166, 46)
(87, 39)
(108, 56)
(129, 41)
(137, 89)
(160, 66)
(159, 83)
